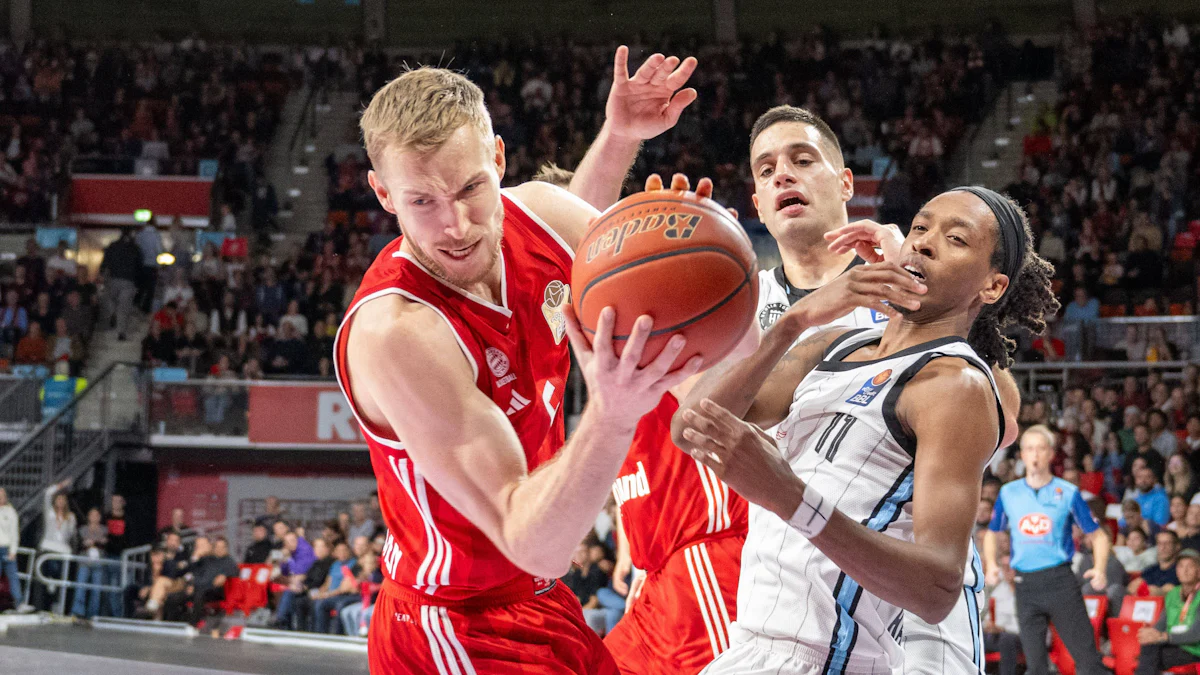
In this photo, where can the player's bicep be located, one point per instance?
(565, 213)
(456, 436)
(952, 449)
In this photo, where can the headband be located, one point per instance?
(1012, 229)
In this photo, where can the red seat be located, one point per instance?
(235, 594)
(255, 581)
(1097, 609)
(1092, 481)
(1146, 610)
(1194, 228)
(1122, 637)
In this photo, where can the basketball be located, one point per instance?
(680, 258)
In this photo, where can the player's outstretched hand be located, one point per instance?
(650, 102)
(864, 237)
(742, 455)
(882, 287)
(620, 389)
(680, 183)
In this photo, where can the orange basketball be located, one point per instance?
(678, 257)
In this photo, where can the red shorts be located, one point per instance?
(680, 622)
(532, 633)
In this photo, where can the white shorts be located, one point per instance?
(752, 655)
(953, 646)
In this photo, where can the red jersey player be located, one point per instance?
(454, 357)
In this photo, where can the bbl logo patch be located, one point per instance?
(878, 316)
(770, 314)
(870, 389)
(556, 297)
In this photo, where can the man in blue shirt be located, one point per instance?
(1156, 505)
(1038, 511)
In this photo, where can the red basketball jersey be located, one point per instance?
(518, 351)
(667, 499)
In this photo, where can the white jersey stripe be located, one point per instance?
(709, 494)
(448, 632)
(701, 600)
(435, 619)
(723, 622)
(706, 584)
(435, 648)
(441, 562)
(400, 468)
(724, 502)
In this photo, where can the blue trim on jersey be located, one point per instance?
(976, 631)
(976, 569)
(847, 591)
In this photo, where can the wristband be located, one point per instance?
(813, 513)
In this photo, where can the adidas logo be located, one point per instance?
(518, 402)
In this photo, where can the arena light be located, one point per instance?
(143, 215)
(165, 259)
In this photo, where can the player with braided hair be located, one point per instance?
(862, 503)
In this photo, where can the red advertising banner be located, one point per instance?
(866, 199)
(302, 415)
(111, 199)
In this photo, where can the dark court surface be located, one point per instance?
(65, 650)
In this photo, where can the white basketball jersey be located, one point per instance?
(776, 295)
(843, 437)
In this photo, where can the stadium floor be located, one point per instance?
(58, 649)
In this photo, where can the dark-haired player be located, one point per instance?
(869, 487)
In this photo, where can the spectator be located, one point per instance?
(301, 610)
(362, 526)
(32, 349)
(228, 320)
(1175, 638)
(259, 549)
(1145, 451)
(60, 265)
(1134, 555)
(1165, 441)
(178, 526)
(159, 347)
(211, 567)
(1178, 520)
(137, 596)
(10, 539)
(115, 528)
(288, 356)
(1003, 635)
(272, 514)
(42, 313)
(1150, 496)
(339, 590)
(150, 246)
(1179, 481)
(93, 539)
(1160, 577)
(269, 298)
(13, 320)
(295, 318)
(78, 317)
(299, 558)
(65, 347)
(58, 534)
(1131, 519)
(585, 579)
(122, 268)
(1192, 440)
(369, 579)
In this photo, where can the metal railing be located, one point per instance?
(65, 579)
(1067, 373)
(71, 440)
(20, 404)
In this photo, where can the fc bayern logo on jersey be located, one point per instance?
(1034, 525)
(497, 361)
(870, 389)
(770, 314)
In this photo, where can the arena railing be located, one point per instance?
(71, 563)
(1064, 374)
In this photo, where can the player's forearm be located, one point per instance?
(1101, 549)
(989, 550)
(734, 385)
(916, 578)
(601, 173)
(548, 513)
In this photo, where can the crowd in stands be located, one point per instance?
(907, 100)
(1111, 178)
(49, 311)
(149, 107)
